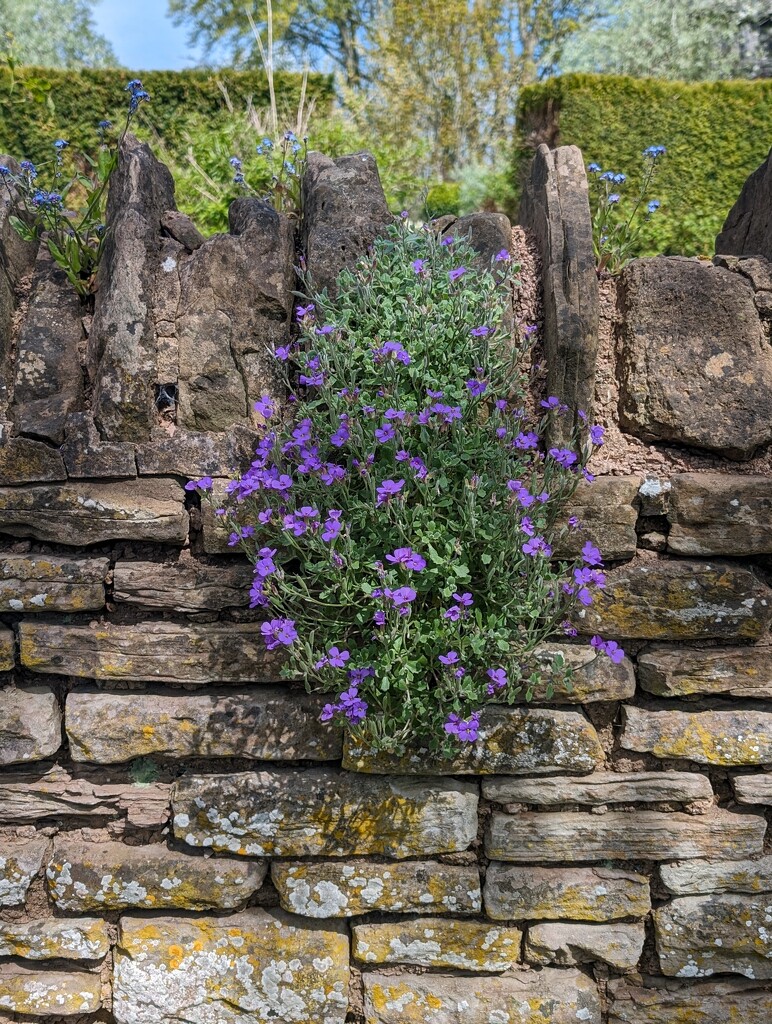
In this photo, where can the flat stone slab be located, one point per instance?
(84, 876)
(568, 943)
(594, 677)
(165, 652)
(752, 789)
(87, 456)
(438, 942)
(330, 889)
(607, 512)
(324, 813)
(600, 788)
(84, 938)
(193, 454)
(48, 583)
(720, 514)
(183, 586)
(47, 993)
(24, 461)
(256, 967)
(725, 933)
(93, 513)
(19, 863)
(694, 877)
(687, 671)
(703, 1002)
(555, 894)
(511, 741)
(262, 724)
(657, 599)
(550, 996)
(732, 737)
(30, 724)
(620, 835)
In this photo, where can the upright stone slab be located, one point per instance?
(17, 258)
(720, 514)
(747, 230)
(30, 724)
(692, 671)
(555, 206)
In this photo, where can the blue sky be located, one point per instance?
(142, 35)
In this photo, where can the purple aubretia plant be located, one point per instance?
(402, 514)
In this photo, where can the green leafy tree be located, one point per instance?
(55, 33)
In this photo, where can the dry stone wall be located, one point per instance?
(182, 840)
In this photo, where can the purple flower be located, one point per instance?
(279, 631)
(574, 523)
(419, 266)
(241, 533)
(330, 473)
(596, 434)
(456, 273)
(453, 613)
(525, 441)
(341, 435)
(526, 525)
(327, 329)
(564, 457)
(447, 240)
(465, 600)
(283, 352)
(498, 680)
(419, 467)
(358, 675)
(384, 433)
(392, 349)
(334, 658)
(302, 311)
(332, 525)
(265, 565)
(554, 403)
(403, 596)
(203, 484)
(264, 405)
(434, 394)
(387, 490)
(313, 380)
(502, 255)
(480, 332)
(257, 598)
(591, 555)
(477, 387)
(568, 628)
(537, 546)
(451, 658)
(608, 647)
(466, 730)
(587, 475)
(407, 558)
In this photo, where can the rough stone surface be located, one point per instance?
(722, 933)
(182, 229)
(30, 724)
(24, 461)
(600, 788)
(87, 456)
(594, 677)
(186, 585)
(84, 938)
(512, 741)
(732, 737)
(214, 532)
(314, 812)
(620, 835)
(618, 945)
(193, 454)
(679, 600)
(702, 1002)
(528, 997)
(720, 514)
(49, 583)
(487, 233)
(747, 230)
(266, 724)
(47, 993)
(579, 894)
(344, 211)
(687, 671)
(161, 651)
(330, 889)
(19, 863)
(606, 509)
(7, 649)
(93, 513)
(257, 967)
(84, 877)
(555, 206)
(693, 877)
(695, 365)
(438, 942)
(753, 789)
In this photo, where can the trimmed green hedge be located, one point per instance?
(716, 133)
(45, 104)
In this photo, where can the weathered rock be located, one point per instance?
(186, 585)
(763, 302)
(600, 788)
(747, 230)
(654, 495)
(92, 513)
(594, 677)
(160, 651)
(265, 724)
(182, 229)
(24, 461)
(84, 938)
(47, 993)
(757, 269)
(85, 876)
(555, 206)
(702, 1002)
(731, 737)
(344, 211)
(256, 967)
(752, 789)
(49, 583)
(7, 649)
(235, 305)
(214, 531)
(606, 509)
(512, 741)
(579, 894)
(684, 671)
(49, 378)
(695, 367)
(693, 877)
(330, 889)
(531, 997)
(487, 233)
(722, 933)
(30, 724)
(123, 338)
(720, 514)
(434, 942)
(193, 454)
(314, 812)
(620, 835)
(17, 256)
(679, 600)
(19, 863)
(568, 943)
(87, 456)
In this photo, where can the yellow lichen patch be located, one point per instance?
(438, 942)
(51, 938)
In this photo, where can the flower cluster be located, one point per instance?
(285, 160)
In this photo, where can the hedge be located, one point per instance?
(716, 134)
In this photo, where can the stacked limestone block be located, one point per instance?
(181, 839)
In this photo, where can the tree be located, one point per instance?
(54, 33)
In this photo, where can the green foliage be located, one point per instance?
(443, 198)
(55, 33)
(716, 134)
(143, 771)
(399, 512)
